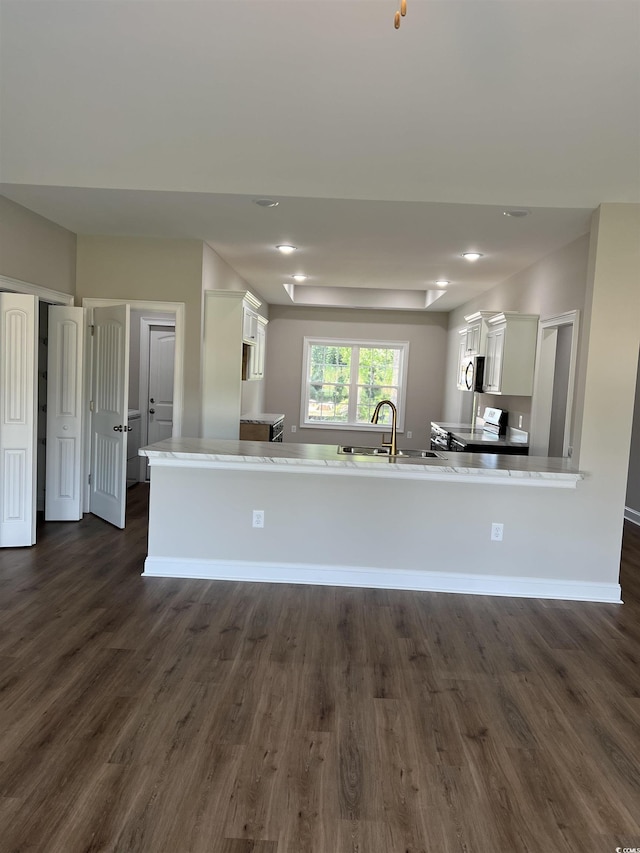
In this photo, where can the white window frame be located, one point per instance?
(308, 342)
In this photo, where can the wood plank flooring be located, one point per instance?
(144, 715)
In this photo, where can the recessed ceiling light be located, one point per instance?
(441, 282)
(299, 277)
(471, 256)
(286, 249)
(516, 212)
(266, 202)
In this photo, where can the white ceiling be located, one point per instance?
(390, 152)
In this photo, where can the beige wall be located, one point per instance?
(427, 336)
(35, 250)
(551, 286)
(155, 270)
(218, 275)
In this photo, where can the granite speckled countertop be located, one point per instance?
(323, 458)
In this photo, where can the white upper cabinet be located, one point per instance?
(510, 354)
(256, 354)
(473, 341)
(249, 323)
(475, 333)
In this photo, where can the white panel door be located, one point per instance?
(110, 391)
(162, 344)
(64, 414)
(18, 319)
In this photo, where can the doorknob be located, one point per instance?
(151, 400)
(152, 411)
(118, 428)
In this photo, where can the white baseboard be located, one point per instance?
(632, 515)
(520, 587)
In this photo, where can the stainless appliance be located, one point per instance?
(440, 437)
(471, 373)
(488, 437)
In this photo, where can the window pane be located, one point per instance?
(368, 397)
(329, 363)
(379, 366)
(328, 403)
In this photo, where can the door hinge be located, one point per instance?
(93, 329)
(89, 479)
(92, 406)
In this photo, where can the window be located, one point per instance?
(342, 381)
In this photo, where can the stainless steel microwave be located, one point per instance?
(471, 373)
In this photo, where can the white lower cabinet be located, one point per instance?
(511, 354)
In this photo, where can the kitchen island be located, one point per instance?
(369, 521)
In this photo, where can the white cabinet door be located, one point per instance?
(496, 379)
(249, 326)
(63, 495)
(493, 365)
(18, 330)
(109, 420)
(462, 361)
(257, 354)
(473, 339)
(262, 347)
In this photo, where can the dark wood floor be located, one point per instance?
(144, 715)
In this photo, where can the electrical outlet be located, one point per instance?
(409, 434)
(497, 530)
(293, 428)
(258, 518)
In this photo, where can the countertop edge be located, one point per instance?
(436, 470)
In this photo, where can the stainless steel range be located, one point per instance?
(441, 434)
(488, 436)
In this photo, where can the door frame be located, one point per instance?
(175, 308)
(50, 297)
(543, 382)
(145, 335)
(44, 294)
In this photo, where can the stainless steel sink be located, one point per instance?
(354, 450)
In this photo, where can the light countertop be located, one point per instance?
(261, 418)
(323, 458)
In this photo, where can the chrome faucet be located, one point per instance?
(394, 418)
